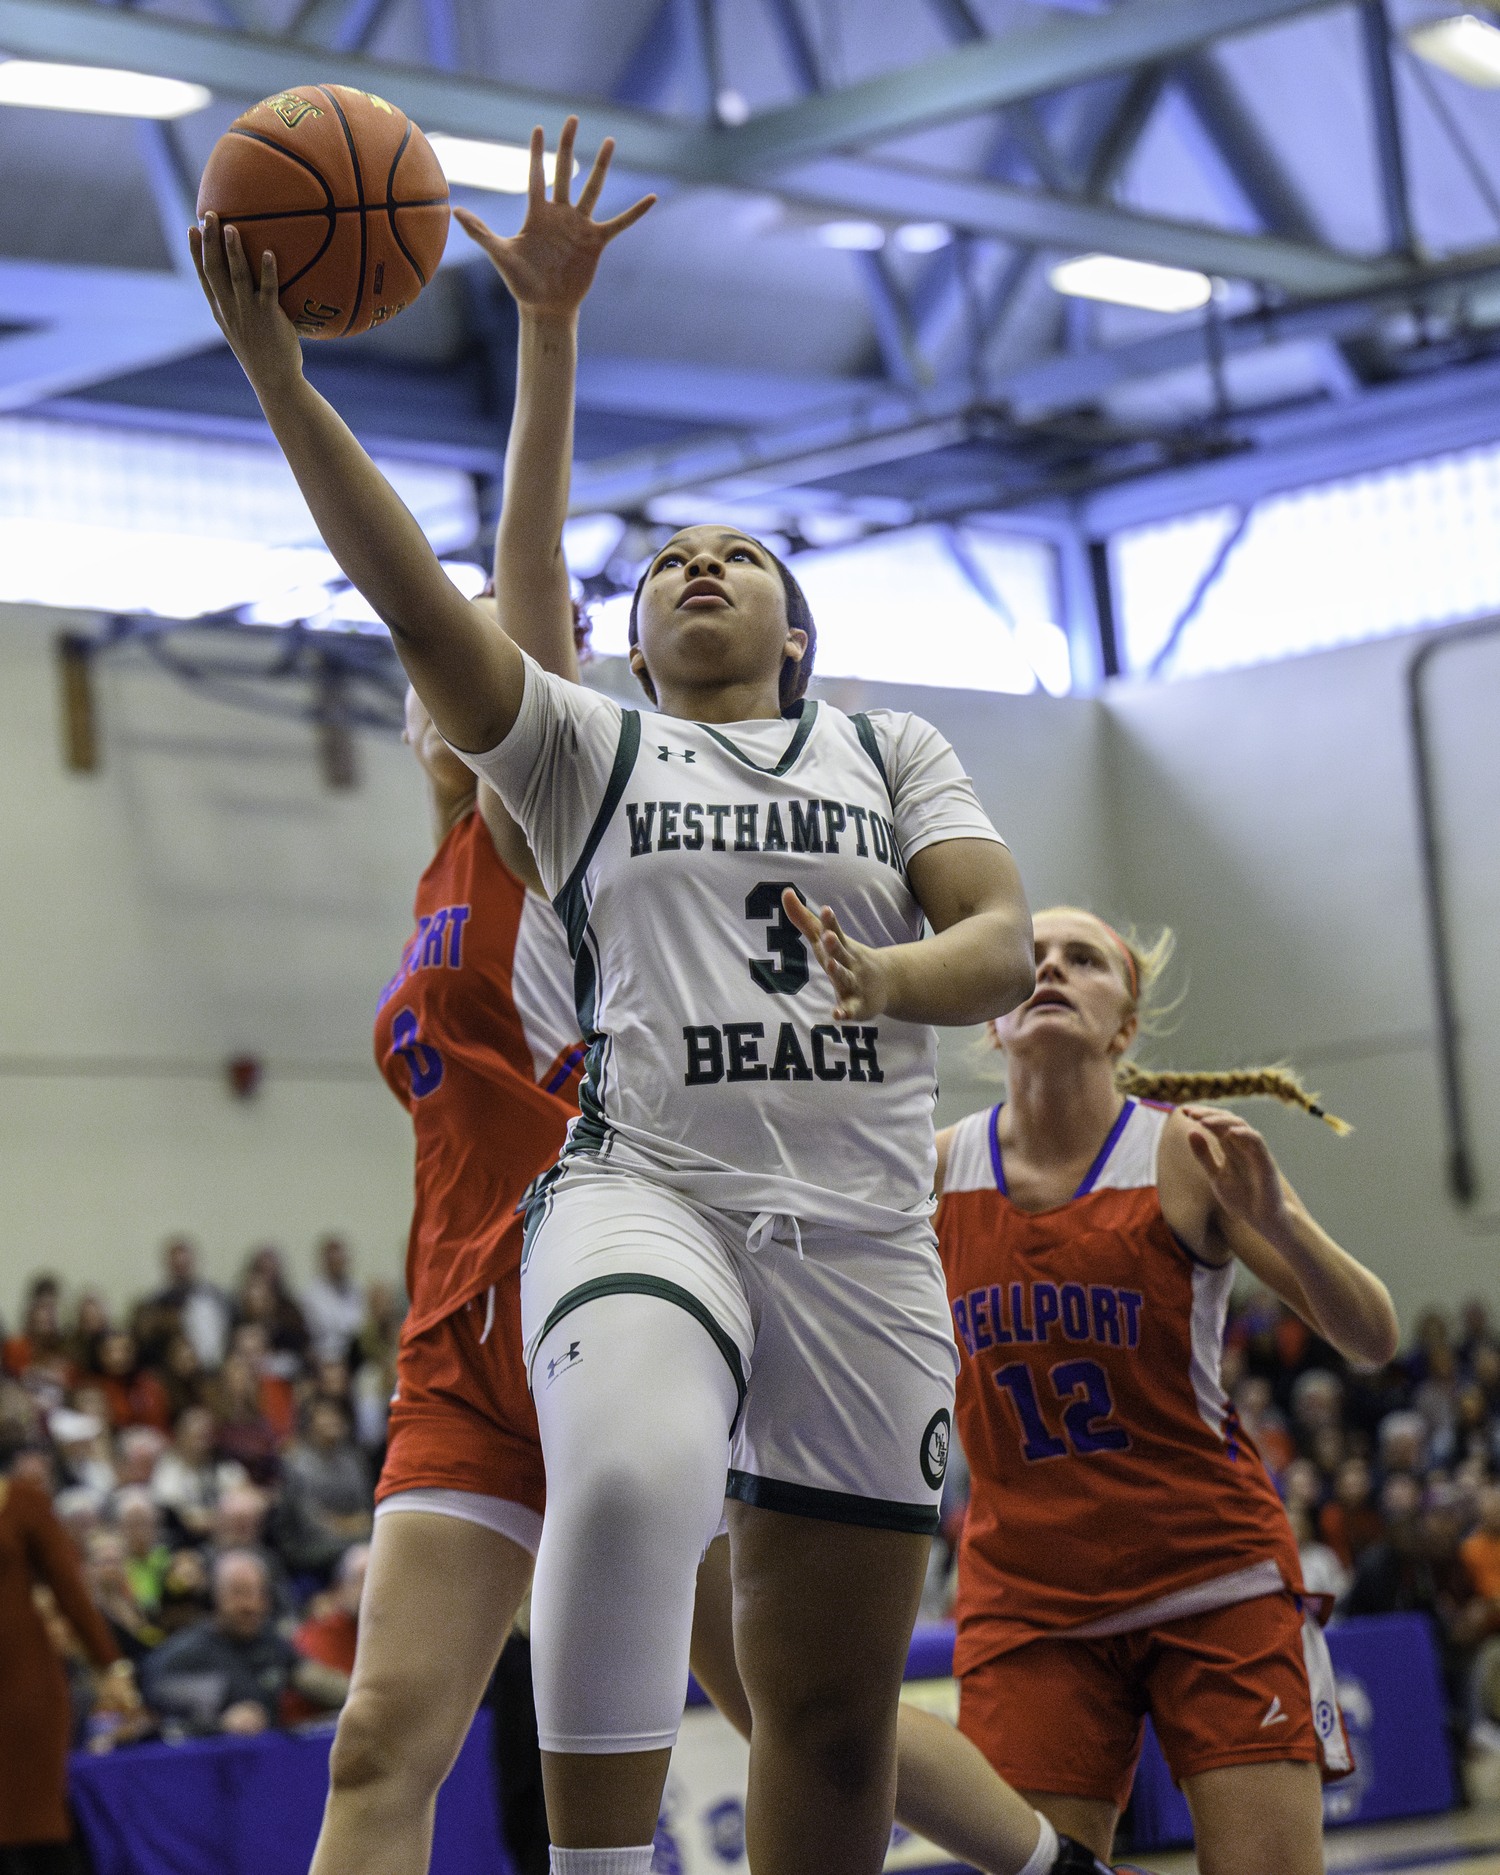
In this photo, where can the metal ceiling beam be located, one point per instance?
(853, 432)
(1384, 428)
(890, 313)
(250, 66)
(1057, 52)
(1375, 32)
(903, 192)
(1257, 170)
(77, 353)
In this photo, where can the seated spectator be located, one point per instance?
(135, 1394)
(184, 1592)
(1322, 1571)
(240, 1524)
(83, 1449)
(245, 1434)
(264, 1298)
(227, 1674)
(1436, 1400)
(1263, 1424)
(1395, 1575)
(90, 1325)
(191, 1305)
(1484, 1371)
(146, 1556)
(328, 1380)
(1474, 1329)
(109, 1584)
(276, 1393)
(375, 1373)
(1402, 1445)
(80, 1511)
(1317, 1406)
(136, 1452)
(1479, 1553)
(333, 1304)
(1349, 1522)
(189, 1478)
(183, 1376)
(327, 1499)
(332, 1634)
(38, 1356)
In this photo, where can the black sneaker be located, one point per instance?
(1074, 1859)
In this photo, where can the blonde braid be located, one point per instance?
(1225, 1084)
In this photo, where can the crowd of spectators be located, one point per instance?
(1391, 1479)
(213, 1457)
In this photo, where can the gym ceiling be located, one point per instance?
(841, 311)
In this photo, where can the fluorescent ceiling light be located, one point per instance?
(862, 236)
(503, 168)
(91, 88)
(1466, 46)
(923, 237)
(466, 576)
(589, 542)
(1131, 283)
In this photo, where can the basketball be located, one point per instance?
(347, 194)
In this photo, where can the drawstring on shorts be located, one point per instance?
(764, 1227)
(489, 1315)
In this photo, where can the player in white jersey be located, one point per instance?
(737, 1257)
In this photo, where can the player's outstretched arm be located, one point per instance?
(1258, 1217)
(548, 267)
(466, 670)
(978, 965)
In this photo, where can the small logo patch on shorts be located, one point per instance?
(560, 1363)
(934, 1454)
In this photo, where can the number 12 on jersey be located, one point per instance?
(1084, 1385)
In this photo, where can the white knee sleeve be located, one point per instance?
(635, 1403)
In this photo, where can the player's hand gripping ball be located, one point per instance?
(345, 191)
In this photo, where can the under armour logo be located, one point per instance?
(1274, 1714)
(560, 1363)
(664, 754)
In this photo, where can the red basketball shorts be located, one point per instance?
(1233, 1686)
(462, 1418)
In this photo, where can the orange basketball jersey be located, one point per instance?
(477, 1035)
(1112, 1485)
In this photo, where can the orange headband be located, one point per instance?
(1125, 952)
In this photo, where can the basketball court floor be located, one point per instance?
(1465, 1842)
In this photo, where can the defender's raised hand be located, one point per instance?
(1241, 1172)
(549, 266)
(247, 310)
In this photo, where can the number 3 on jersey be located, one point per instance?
(782, 938)
(424, 1063)
(1082, 1418)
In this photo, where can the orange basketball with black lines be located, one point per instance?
(347, 194)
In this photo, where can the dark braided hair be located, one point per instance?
(799, 618)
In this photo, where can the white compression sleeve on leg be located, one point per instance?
(635, 1402)
(602, 1861)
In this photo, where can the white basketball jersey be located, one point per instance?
(715, 1061)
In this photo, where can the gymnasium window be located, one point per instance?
(1329, 565)
(964, 609)
(119, 520)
